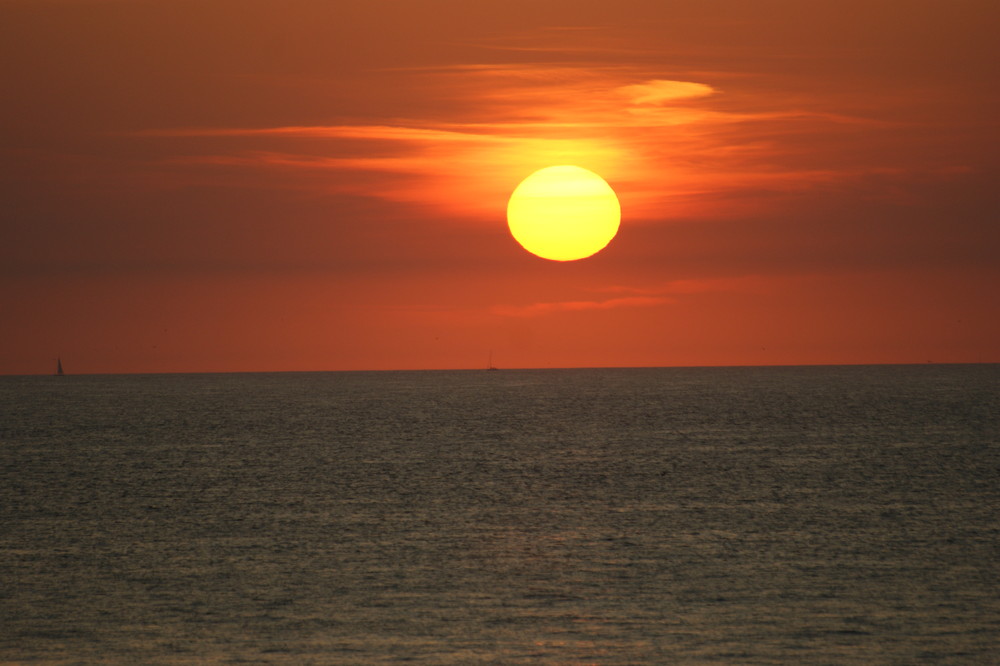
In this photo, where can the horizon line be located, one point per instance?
(511, 369)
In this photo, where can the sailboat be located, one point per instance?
(59, 370)
(490, 366)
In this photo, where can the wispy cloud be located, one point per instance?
(675, 288)
(640, 296)
(665, 144)
(537, 309)
(661, 92)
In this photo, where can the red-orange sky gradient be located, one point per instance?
(250, 185)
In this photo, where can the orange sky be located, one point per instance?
(241, 185)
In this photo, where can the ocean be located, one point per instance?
(821, 515)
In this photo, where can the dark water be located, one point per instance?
(743, 516)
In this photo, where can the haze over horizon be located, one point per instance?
(225, 186)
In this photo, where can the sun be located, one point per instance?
(563, 213)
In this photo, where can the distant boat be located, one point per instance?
(59, 370)
(489, 365)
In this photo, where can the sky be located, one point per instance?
(265, 185)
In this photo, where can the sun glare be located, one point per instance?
(563, 213)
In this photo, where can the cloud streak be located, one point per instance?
(659, 92)
(659, 141)
(538, 309)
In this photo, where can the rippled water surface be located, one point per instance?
(740, 515)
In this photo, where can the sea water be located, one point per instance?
(608, 516)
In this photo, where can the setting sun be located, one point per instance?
(563, 213)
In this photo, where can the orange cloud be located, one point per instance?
(669, 147)
(743, 283)
(658, 92)
(537, 309)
